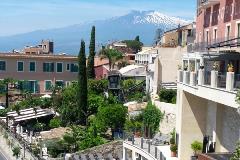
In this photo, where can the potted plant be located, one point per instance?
(174, 149)
(230, 67)
(179, 67)
(185, 68)
(196, 147)
(201, 66)
(215, 66)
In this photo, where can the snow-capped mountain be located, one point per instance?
(67, 39)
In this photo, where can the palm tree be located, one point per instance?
(112, 55)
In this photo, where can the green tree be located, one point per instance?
(55, 123)
(236, 154)
(152, 117)
(137, 38)
(16, 151)
(90, 66)
(112, 116)
(82, 91)
(112, 55)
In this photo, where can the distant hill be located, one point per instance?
(67, 39)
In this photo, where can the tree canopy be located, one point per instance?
(113, 55)
(90, 66)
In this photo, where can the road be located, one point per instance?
(2, 156)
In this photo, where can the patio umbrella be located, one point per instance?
(46, 96)
(1, 107)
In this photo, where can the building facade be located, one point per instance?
(39, 72)
(208, 83)
(217, 21)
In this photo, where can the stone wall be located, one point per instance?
(113, 150)
(169, 121)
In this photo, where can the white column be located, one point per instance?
(18, 130)
(193, 79)
(186, 77)
(124, 153)
(180, 76)
(230, 81)
(21, 130)
(214, 79)
(201, 77)
(134, 155)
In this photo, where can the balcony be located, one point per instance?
(208, 3)
(214, 86)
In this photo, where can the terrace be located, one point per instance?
(214, 79)
(207, 3)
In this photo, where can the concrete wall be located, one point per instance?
(166, 65)
(193, 123)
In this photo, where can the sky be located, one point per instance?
(20, 16)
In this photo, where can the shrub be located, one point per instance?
(168, 95)
(55, 123)
(174, 148)
(16, 151)
(196, 146)
(236, 154)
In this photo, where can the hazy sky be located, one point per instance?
(19, 16)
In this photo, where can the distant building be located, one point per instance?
(101, 68)
(45, 47)
(39, 71)
(181, 36)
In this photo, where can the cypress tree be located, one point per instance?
(82, 90)
(137, 39)
(90, 68)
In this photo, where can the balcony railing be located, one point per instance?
(226, 42)
(228, 81)
(208, 3)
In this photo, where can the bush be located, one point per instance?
(168, 95)
(196, 146)
(236, 154)
(174, 148)
(16, 151)
(55, 123)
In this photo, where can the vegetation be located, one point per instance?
(16, 151)
(173, 137)
(152, 117)
(112, 55)
(236, 154)
(174, 148)
(55, 123)
(168, 95)
(135, 44)
(97, 86)
(111, 116)
(196, 147)
(90, 66)
(134, 124)
(82, 88)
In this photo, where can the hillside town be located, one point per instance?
(177, 99)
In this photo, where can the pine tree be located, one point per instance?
(82, 90)
(137, 39)
(90, 68)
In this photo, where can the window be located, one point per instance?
(2, 66)
(59, 83)
(30, 86)
(68, 83)
(48, 85)
(74, 67)
(20, 66)
(238, 30)
(59, 67)
(228, 32)
(68, 67)
(32, 66)
(48, 67)
(215, 35)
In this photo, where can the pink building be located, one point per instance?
(217, 21)
(39, 72)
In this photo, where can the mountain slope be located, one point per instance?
(67, 39)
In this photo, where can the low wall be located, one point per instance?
(169, 122)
